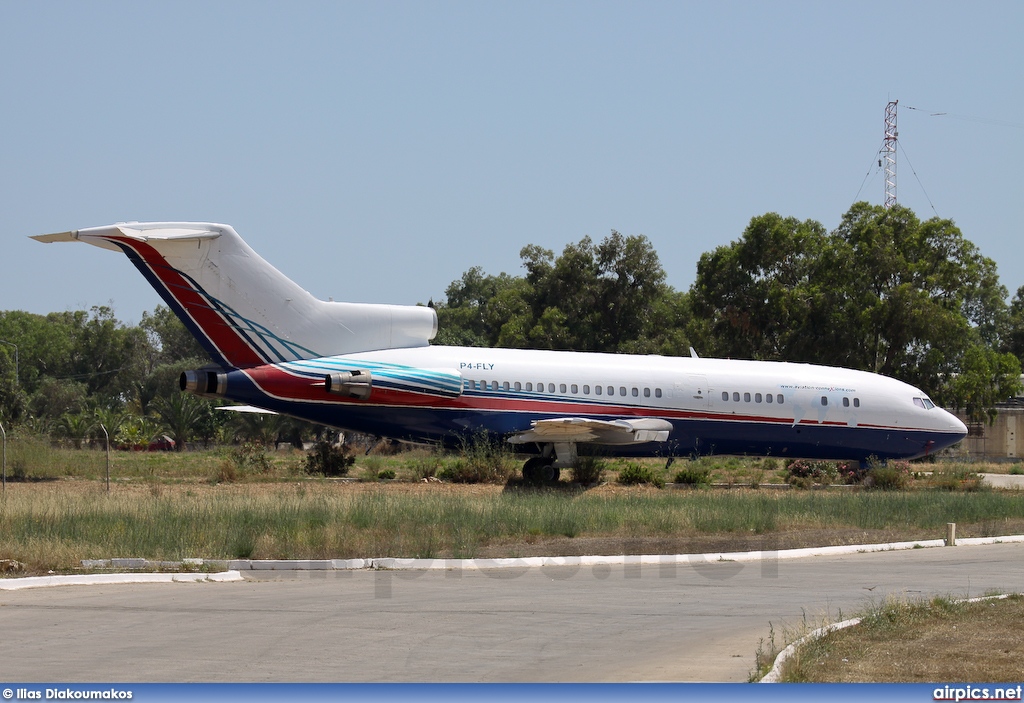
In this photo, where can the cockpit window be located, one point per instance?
(924, 403)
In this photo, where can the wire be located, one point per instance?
(969, 118)
(912, 170)
(866, 175)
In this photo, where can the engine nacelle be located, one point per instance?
(359, 383)
(350, 384)
(204, 382)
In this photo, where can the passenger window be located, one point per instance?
(622, 390)
(779, 399)
(746, 397)
(736, 397)
(586, 389)
(575, 388)
(725, 395)
(846, 402)
(551, 388)
(611, 390)
(518, 386)
(768, 398)
(757, 397)
(597, 390)
(505, 386)
(529, 386)
(824, 400)
(647, 392)
(561, 388)
(657, 392)
(540, 387)
(856, 402)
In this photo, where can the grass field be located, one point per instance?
(167, 506)
(912, 641)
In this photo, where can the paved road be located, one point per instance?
(688, 622)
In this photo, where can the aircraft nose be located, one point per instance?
(955, 424)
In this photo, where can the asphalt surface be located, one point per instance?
(687, 621)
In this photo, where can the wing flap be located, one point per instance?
(583, 429)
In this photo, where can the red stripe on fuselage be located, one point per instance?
(231, 345)
(286, 385)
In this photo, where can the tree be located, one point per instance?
(182, 415)
(884, 292)
(607, 297)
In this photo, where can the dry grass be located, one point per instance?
(914, 642)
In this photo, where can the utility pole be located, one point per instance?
(888, 154)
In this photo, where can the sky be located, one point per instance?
(375, 151)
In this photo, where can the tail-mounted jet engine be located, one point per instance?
(350, 384)
(204, 382)
(359, 383)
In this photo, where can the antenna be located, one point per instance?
(888, 154)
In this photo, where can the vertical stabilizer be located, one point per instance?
(243, 310)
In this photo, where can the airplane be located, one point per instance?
(370, 368)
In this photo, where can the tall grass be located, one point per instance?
(54, 529)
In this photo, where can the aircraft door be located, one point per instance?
(693, 391)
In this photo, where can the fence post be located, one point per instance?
(108, 454)
(4, 433)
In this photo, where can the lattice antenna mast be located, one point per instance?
(889, 154)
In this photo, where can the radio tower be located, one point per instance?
(889, 154)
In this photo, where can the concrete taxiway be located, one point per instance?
(693, 620)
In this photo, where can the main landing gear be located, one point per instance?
(540, 470)
(547, 467)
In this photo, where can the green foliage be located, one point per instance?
(480, 460)
(694, 476)
(588, 470)
(609, 297)
(251, 458)
(884, 292)
(425, 465)
(386, 475)
(326, 459)
(633, 474)
(182, 416)
(802, 473)
(891, 476)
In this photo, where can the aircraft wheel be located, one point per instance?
(530, 472)
(539, 470)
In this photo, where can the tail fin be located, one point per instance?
(243, 310)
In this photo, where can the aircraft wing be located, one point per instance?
(582, 429)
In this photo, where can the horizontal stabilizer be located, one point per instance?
(246, 409)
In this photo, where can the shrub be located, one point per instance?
(425, 465)
(801, 473)
(588, 470)
(887, 478)
(244, 460)
(635, 474)
(481, 460)
(386, 475)
(694, 476)
(326, 459)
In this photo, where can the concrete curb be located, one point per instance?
(100, 579)
(235, 567)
